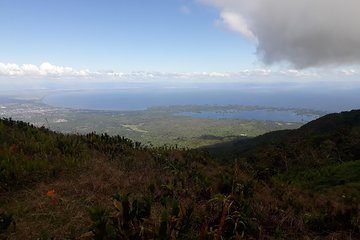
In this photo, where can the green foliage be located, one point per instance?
(132, 220)
(100, 227)
(163, 229)
(71, 235)
(342, 174)
(29, 154)
(44, 235)
(234, 216)
(6, 220)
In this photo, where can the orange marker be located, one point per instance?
(51, 193)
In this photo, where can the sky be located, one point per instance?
(177, 41)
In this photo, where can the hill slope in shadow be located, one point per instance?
(333, 138)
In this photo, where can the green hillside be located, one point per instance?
(331, 139)
(296, 184)
(346, 174)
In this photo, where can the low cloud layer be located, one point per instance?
(52, 72)
(304, 33)
(44, 69)
(49, 76)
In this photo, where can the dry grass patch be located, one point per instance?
(93, 185)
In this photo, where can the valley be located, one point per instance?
(157, 125)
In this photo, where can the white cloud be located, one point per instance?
(47, 74)
(10, 69)
(236, 23)
(298, 73)
(30, 69)
(350, 72)
(49, 70)
(45, 69)
(304, 33)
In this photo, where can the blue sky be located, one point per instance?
(121, 35)
(179, 41)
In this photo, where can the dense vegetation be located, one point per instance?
(298, 184)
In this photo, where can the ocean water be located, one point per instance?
(262, 114)
(139, 99)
